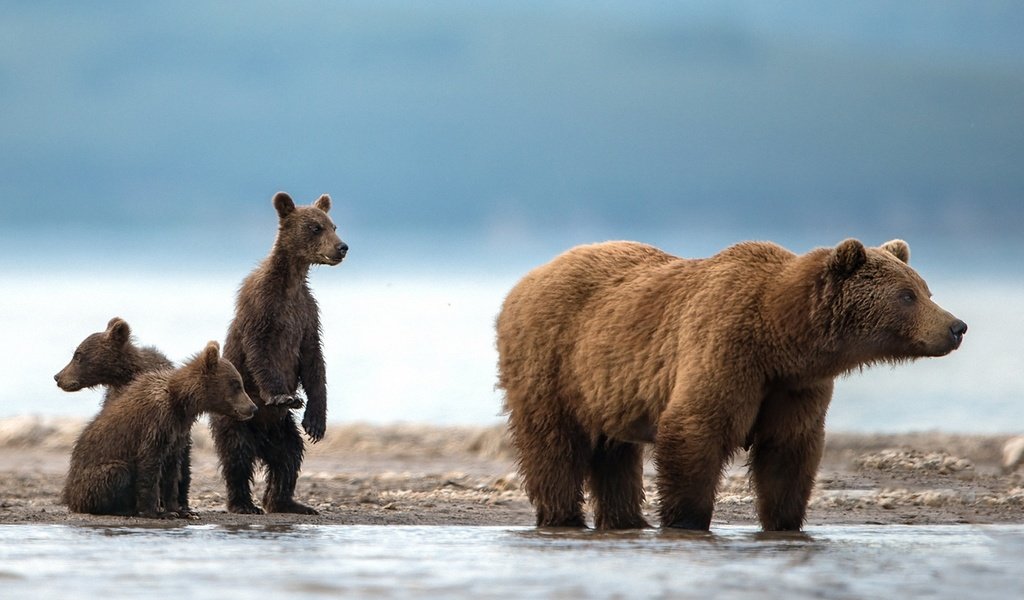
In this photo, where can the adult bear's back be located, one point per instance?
(540, 315)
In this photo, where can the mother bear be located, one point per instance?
(615, 345)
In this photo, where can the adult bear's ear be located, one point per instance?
(284, 204)
(323, 203)
(118, 331)
(898, 248)
(847, 257)
(211, 356)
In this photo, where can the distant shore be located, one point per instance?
(427, 475)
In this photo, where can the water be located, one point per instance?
(420, 348)
(207, 561)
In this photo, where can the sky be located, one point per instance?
(466, 142)
(512, 127)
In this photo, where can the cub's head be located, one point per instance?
(103, 358)
(307, 233)
(882, 308)
(223, 392)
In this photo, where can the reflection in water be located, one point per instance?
(305, 561)
(179, 527)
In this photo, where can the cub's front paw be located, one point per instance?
(286, 400)
(314, 426)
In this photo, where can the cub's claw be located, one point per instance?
(315, 427)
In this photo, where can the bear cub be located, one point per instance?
(127, 457)
(274, 340)
(109, 358)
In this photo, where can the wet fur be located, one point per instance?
(274, 340)
(128, 455)
(109, 358)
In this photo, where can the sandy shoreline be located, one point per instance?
(422, 475)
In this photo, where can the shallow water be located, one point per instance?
(208, 561)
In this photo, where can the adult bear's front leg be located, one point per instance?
(697, 434)
(788, 441)
(689, 466)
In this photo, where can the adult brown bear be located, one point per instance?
(611, 346)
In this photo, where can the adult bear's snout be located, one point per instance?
(957, 330)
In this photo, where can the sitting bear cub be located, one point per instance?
(109, 358)
(131, 449)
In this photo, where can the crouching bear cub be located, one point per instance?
(126, 453)
(611, 346)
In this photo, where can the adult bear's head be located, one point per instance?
(878, 308)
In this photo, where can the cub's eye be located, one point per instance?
(907, 297)
(77, 356)
(316, 228)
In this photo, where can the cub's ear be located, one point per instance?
(284, 204)
(118, 330)
(323, 203)
(847, 257)
(898, 248)
(211, 356)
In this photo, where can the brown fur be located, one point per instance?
(274, 340)
(126, 454)
(109, 358)
(611, 346)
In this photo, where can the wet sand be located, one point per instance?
(422, 475)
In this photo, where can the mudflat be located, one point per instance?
(428, 475)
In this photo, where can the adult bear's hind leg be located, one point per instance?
(617, 485)
(553, 455)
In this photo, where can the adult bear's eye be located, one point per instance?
(316, 228)
(907, 297)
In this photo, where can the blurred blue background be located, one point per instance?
(466, 142)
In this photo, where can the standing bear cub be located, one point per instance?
(615, 345)
(131, 449)
(274, 340)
